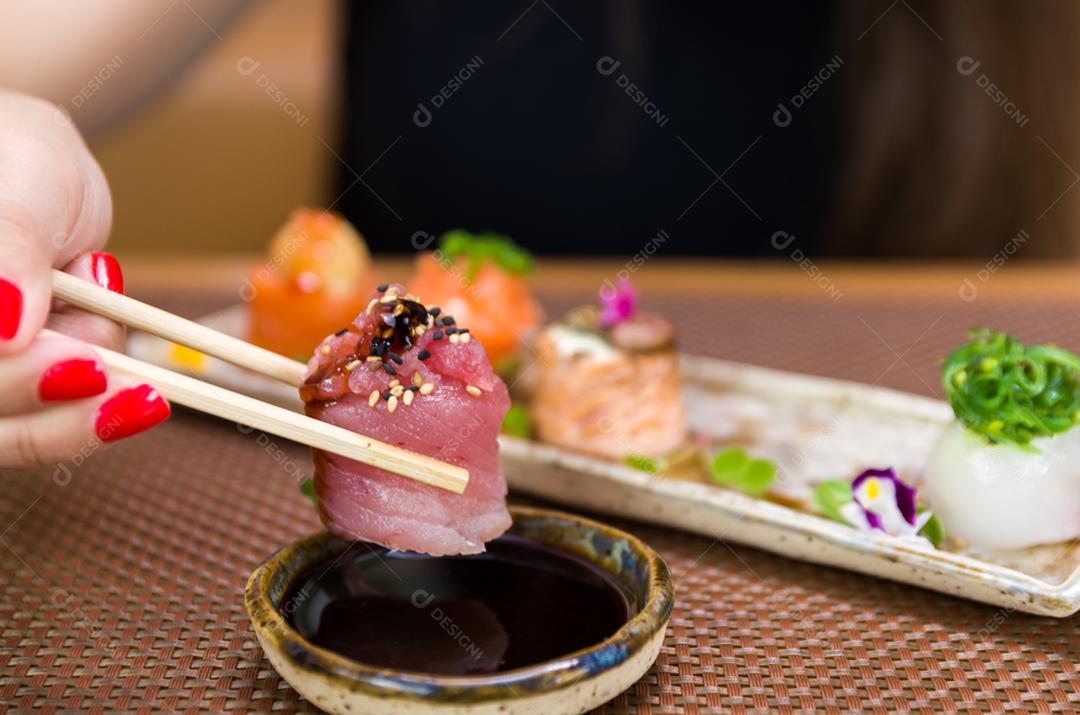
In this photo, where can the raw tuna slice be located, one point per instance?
(414, 379)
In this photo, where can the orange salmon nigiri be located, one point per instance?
(315, 279)
(482, 280)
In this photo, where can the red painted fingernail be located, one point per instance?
(129, 412)
(10, 309)
(72, 380)
(106, 271)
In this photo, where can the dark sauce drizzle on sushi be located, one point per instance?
(519, 604)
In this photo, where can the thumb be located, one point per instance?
(54, 206)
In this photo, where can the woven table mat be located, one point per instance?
(121, 573)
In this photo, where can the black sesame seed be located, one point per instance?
(389, 368)
(451, 331)
(382, 287)
(435, 311)
(448, 320)
(437, 335)
(339, 333)
(386, 394)
(395, 357)
(424, 355)
(413, 388)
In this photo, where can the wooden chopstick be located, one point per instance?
(230, 405)
(95, 299)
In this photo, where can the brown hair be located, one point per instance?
(961, 131)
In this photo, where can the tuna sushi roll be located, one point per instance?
(409, 376)
(608, 381)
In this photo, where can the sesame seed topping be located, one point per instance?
(473, 390)
(417, 378)
(464, 337)
(451, 330)
(434, 312)
(396, 390)
(395, 382)
(391, 404)
(386, 394)
(424, 354)
(371, 306)
(373, 398)
(454, 338)
(389, 368)
(412, 388)
(426, 388)
(437, 335)
(382, 287)
(396, 358)
(388, 298)
(448, 320)
(352, 365)
(339, 333)
(408, 398)
(373, 358)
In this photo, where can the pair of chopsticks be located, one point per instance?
(234, 406)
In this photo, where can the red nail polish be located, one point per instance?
(10, 309)
(129, 412)
(106, 271)
(72, 380)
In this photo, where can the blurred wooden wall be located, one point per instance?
(214, 164)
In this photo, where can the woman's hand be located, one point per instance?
(55, 211)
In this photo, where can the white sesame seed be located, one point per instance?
(473, 390)
(391, 404)
(454, 338)
(373, 398)
(417, 379)
(396, 390)
(388, 298)
(408, 397)
(465, 337)
(373, 358)
(352, 365)
(371, 306)
(426, 388)
(395, 382)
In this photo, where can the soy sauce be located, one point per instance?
(518, 604)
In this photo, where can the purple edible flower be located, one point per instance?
(619, 303)
(882, 502)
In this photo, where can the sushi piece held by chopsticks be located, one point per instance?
(229, 405)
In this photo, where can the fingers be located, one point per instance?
(52, 435)
(53, 369)
(101, 268)
(54, 206)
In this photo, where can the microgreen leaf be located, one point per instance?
(933, 529)
(517, 422)
(307, 488)
(652, 465)
(829, 496)
(733, 467)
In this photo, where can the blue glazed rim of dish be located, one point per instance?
(641, 571)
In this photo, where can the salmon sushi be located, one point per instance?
(411, 377)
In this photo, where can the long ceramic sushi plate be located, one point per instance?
(813, 428)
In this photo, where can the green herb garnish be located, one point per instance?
(652, 465)
(307, 488)
(479, 248)
(1010, 393)
(733, 467)
(933, 529)
(517, 422)
(830, 496)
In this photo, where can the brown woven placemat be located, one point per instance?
(121, 579)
